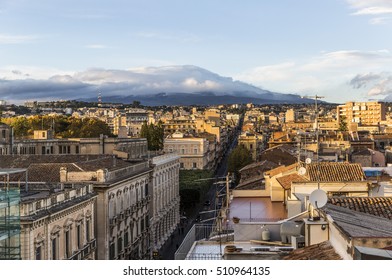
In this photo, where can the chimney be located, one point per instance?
(114, 161)
(63, 174)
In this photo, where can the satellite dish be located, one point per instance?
(308, 160)
(302, 171)
(318, 198)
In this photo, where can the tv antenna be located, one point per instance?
(316, 97)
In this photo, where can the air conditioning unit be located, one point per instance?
(297, 241)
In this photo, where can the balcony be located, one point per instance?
(84, 252)
(113, 221)
(121, 217)
(128, 212)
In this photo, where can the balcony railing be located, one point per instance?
(85, 251)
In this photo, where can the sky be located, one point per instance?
(340, 49)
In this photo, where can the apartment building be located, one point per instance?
(363, 113)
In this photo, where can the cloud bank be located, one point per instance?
(21, 84)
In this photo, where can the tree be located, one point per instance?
(153, 134)
(21, 126)
(135, 104)
(343, 124)
(238, 158)
(65, 127)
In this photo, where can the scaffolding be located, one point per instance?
(10, 248)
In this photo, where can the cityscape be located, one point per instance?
(118, 182)
(199, 130)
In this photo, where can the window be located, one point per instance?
(194, 165)
(112, 251)
(77, 149)
(126, 241)
(88, 230)
(181, 165)
(195, 151)
(38, 253)
(79, 236)
(3, 133)
(146, 190)
(54, 249)
(147, 221)
(43, 134)
(67, 244)
(119, 244)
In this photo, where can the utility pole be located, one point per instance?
(316, 97)
(227, 190)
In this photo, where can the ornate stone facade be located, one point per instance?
(58, 225)
(166, 198)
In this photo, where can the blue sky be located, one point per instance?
(338, 48)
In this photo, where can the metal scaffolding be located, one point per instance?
(10, 248)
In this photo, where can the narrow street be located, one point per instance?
(170, 247)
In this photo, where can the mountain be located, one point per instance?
(183, 85)
(170, 85)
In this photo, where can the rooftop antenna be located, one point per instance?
(99, 99)
(316, 97)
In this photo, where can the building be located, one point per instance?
(368, 158)
(55, 221)
(5, 139)
(180, 124)
(290, 116)
(253, 141)
(123, 205)
(363, 113)
(44, 144)
(58, 224)
(193, 151)
(120, 202)
(165, 212)
(10, 248)
(135, 119)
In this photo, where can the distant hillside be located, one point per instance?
(201, 98)
(170, 85)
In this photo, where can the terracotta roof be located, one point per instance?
(47, 168)
(251, 181)
(281, 169)
(48, 172)
(320, 251)
(335, 172)
(279, 155)
(358, 224)
(24, 161)
(285, 181)
(250, 166)
(265, 165)
(378, 206)
(382, 136)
